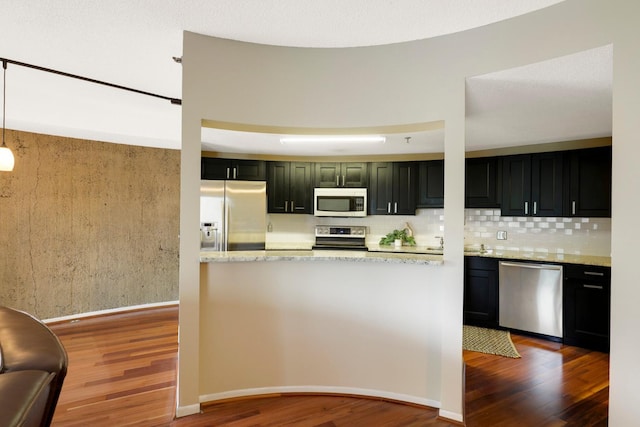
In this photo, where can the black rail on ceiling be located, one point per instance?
(175, 101)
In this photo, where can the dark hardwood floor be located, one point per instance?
(122, 373)
(551, 385)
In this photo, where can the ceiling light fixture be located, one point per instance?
(331, 139)
(6, 156)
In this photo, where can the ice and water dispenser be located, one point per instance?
(209, 235)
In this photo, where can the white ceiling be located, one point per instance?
(132, 44)
(562, 99)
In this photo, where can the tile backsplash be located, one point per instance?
(585, 236)
(299, 229)
(580, 236)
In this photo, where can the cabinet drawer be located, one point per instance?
(587, 272)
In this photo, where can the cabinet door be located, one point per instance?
(482, 180)
(212, 168)
(300, 189)
(340, 174)
(405, 188)
(248, 170)
(278, 184)
(380, 193)
(546, 184)
(353, 175)
(587, 302)
(516, 185)
(431, 184)
(327, 174)
(481, 292)
(589, 183)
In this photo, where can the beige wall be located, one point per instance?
(87, 226)
(415, 82)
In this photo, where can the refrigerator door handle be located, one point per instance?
(225, 237)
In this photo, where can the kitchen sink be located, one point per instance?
(476, 249)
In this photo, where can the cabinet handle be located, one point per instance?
(286, 205)
(573, 207)
(594, 273)
(593, 286)
(293, 206)
(526, 208)
(389, 207)
(235, 173)
(395, 207)
(337, 180)
(535, 208)
(228, 173)
(343, 179)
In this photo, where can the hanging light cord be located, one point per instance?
(175, 101)
(4, 97)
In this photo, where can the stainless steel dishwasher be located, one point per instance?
(530, 297)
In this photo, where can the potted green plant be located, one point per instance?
(401, 236)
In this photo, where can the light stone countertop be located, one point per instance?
(390, 254)
(320, 255)
(431, 250)
(602, 261)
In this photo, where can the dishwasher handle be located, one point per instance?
(531, 265)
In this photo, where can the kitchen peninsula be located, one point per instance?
(322, 255)
(351, 322)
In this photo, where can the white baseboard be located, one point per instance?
(321, 390)
(109, 311)
(453, 416)
(184, 411)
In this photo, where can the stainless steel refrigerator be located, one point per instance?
(233, 215)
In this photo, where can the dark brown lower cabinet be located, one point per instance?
(587, 306)
(481, 291)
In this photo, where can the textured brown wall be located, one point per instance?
(87, 225)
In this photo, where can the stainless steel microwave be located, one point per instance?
(340, 202)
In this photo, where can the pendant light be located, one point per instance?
(6, 156)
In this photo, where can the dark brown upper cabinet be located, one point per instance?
(393, 187)
(212, 168)
(532, 184)
(588, 183)
(482, 182)
(431, 184)
(335, 174)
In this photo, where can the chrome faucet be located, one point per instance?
(441, 241)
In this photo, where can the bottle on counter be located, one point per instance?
(409, 229)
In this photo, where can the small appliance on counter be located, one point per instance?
(340, 237)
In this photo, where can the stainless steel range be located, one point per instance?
(340, 237)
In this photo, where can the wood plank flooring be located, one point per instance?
(551, 385)
(122, 373)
